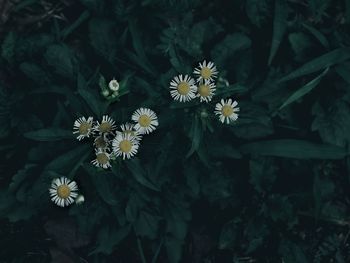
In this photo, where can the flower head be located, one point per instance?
(129, 128)
(113, 85)
(125, 145)
(206, 71)
(63, 191)
(102, 142)
(206, 91)
(83, 127)
(183, 88)
(102, 159)
(146, 120)
(226, 109)
(107, 125)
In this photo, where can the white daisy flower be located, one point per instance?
(227, 110)
(125, 145)
(129, 128)
(63, 191)
(146, 120)
(206, 71)
(183, 88)
(113, 85)
(102, 159)
(83, 127)
(206, 91)
(107, 125)
(102, 142)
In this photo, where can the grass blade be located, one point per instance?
(279, 27)
(304, 89)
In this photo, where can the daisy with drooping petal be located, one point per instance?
(183, 88)
(107, 125)
(206, 71)
(125, 145)
(206, 91)
(129, 128)
(83, 127)
(226, 109)
(146, 120)
(63, 191)
(101, 142)
(102, 159)
(113, 85)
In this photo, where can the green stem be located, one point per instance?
(139, 246)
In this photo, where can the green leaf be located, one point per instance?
(109, 237)
(262, 173)
(62, 59)
(195, 134)
(104, 185)
(228, 235)
(333, 124)
(147, 225)
(317, 34)
(174, 249)
(49, 135)
(229, 46)
(91, 97)
(279, 27)
(323, 190)
(68, 30)
(103, 39)
(8, 47)
(297, 149)
(139, 174)
(329, 59)
(257, 11)
(70, 161)
(304, 89)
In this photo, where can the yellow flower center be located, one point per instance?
(204, 90)
(206, 72)
(125, 146)
(227, 110)
(100, 143)
(84, 128)
(105, 127)
(63, 191)
(102, 158)
(183, 88)
(144, 120)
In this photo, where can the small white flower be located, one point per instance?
(146, 120)
(83, 127)
(107, 125)
(183, 88)
(227, 110)
(206, 71)
(63, 191)
(206, 91)
(113, 85)
(125, 145)
(80, 199)
(129, 128)
(102, 159)
(102, 142)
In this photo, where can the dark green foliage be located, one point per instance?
(271, 187)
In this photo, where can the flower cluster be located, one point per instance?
(184, 88)
(110, 91)
(110, 141)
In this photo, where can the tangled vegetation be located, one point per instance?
(270, 186)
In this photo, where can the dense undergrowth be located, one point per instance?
(271, 187)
